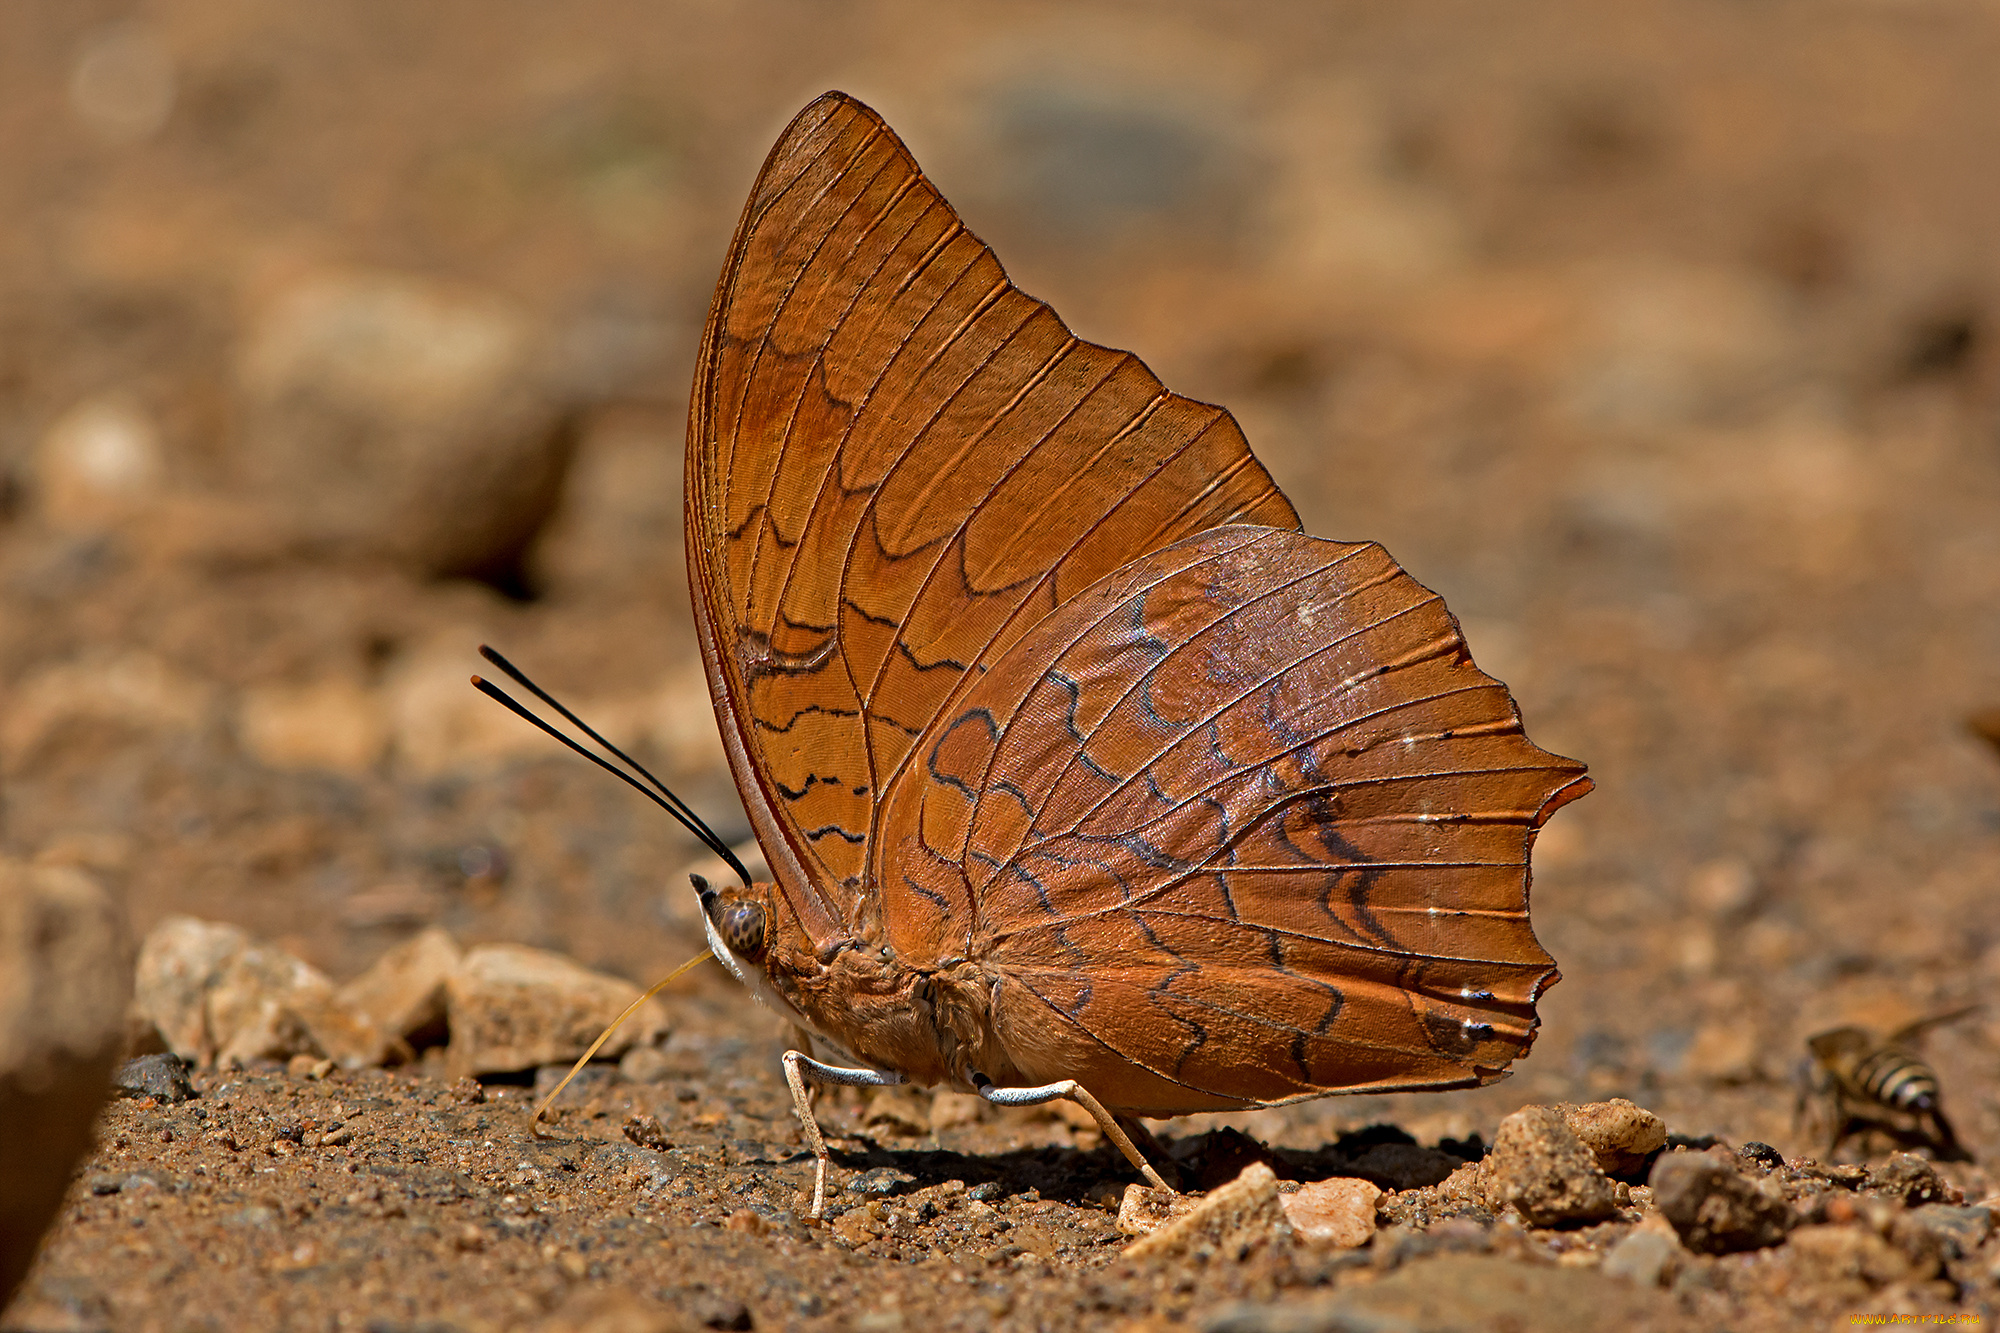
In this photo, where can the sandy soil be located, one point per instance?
(1661, 341)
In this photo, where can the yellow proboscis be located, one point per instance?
(535, 1125)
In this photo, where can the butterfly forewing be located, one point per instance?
(898, 462)
(1240, 823)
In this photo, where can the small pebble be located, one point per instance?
(164, 1078)
(855, 1226)
(1644, 1257)
(1957, 1231)
(647, 1131)
(1623, 1137)
(1145, 1210)
(1827, 1254)
(746, 1221)
(880, 1181)
(1760, 1154)
(1715, 1209)
(1458, 1235)
(1230, 1220)
(1910, 1178)
(1543, 1169)
(1339, 1212)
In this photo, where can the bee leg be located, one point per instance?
(1948, 1148)
(798, 1066)
(1070, 1090)
(1845, 1128)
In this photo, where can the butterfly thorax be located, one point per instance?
(932, 1024)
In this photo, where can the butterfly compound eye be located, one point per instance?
(741, 926)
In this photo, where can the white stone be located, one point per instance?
(1339, 1212)
(135, 690)
(1231, 1218)
(218, 997)
(397, 416)
(97, 461)
(180, 960)
(123, 83)
(441, 725)
(512, 1008)
(333, 724)
(402, 344)
(404, 991)
(1645, 1257)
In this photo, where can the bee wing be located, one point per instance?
(1906, 1035)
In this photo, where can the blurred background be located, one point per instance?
(1660, 337)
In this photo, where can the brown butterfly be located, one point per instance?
(1081, 772)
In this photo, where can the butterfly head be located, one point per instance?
(741, 926)
(737, 925)
(753, 933)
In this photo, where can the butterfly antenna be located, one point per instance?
(659, 793)
(520, 678)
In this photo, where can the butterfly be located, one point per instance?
(1081, 772)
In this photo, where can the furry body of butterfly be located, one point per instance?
(1080, 770)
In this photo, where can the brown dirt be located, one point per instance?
(1659, 337)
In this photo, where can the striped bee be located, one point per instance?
(1862, 1082)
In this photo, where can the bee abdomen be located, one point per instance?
(1898, 1079)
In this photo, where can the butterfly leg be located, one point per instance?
(1070, 1090)
(802, 1042)
(798, 1066)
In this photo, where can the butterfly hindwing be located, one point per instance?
(1244, 815)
